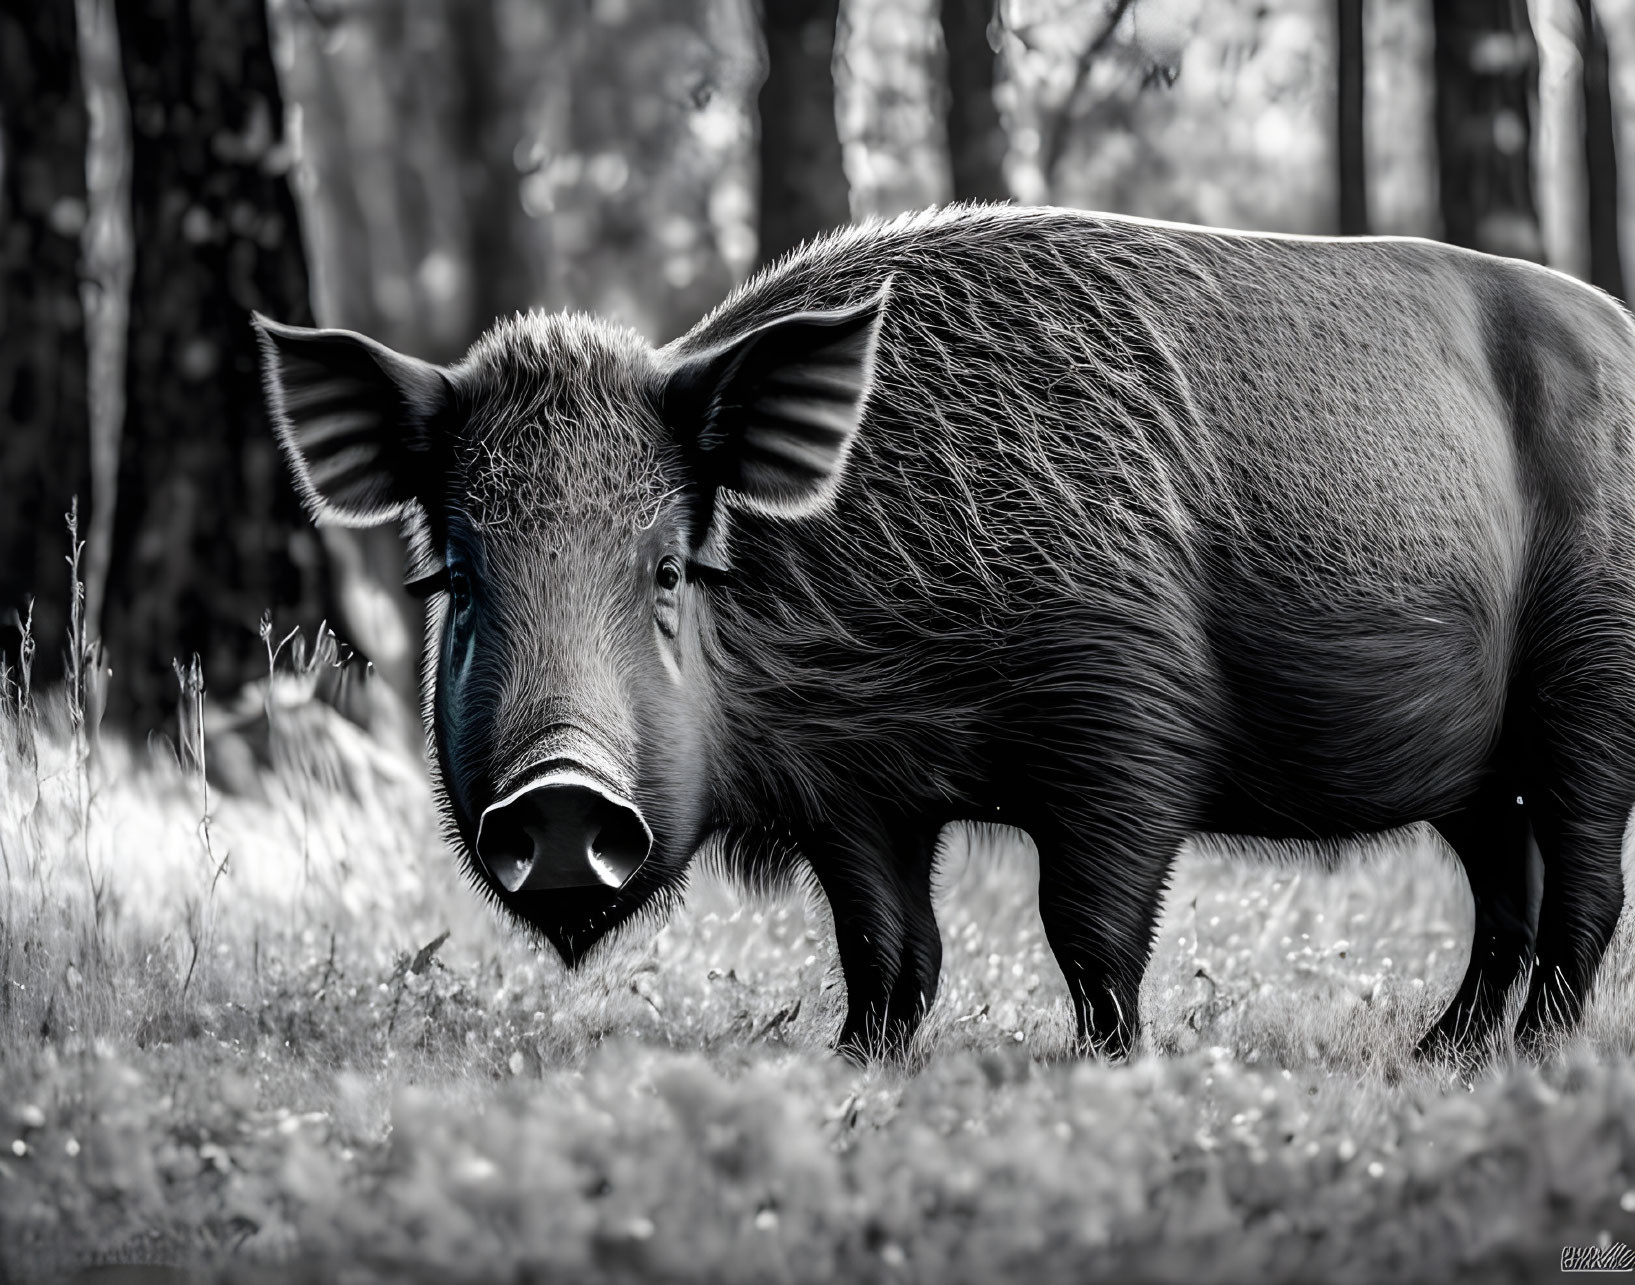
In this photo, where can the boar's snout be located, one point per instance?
(562, 828)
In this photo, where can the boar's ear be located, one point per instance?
(355, 419)
(771, 415)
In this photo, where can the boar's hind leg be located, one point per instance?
(1099, 897)
(878, 883)
(1583, 897)
(1491, 839)
(1580, 787)
(1580, 777)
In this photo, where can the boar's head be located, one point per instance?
(563, 491)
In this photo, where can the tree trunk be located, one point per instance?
(44, 436)
(1352, 156)
(106, 290)
(209, 533)
(803, 183)
(506, 274)
(1486, 89)
(976, 138)
(1600, 154)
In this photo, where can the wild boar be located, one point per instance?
(1109, 530)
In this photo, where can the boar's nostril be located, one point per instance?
(562, 830)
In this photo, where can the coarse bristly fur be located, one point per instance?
(1110, 530)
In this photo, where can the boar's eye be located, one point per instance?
(666, 609)
(459, 591)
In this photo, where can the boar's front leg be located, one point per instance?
(877, 878)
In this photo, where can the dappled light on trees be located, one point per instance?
(453, 162)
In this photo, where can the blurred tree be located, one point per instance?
(209, 532)
(506, 273)
(1486, 88)
(803, 181)
(1351, 152)
(105, 290)
(409, 218)
(976, 136)
(44, 441)
(415, 229)
(1058, 128)
(462, 159)
(628, 186)
(1600, 154)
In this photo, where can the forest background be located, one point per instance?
(416, 168)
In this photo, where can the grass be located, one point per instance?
(257, 1034)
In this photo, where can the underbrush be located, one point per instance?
(268, 1030)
